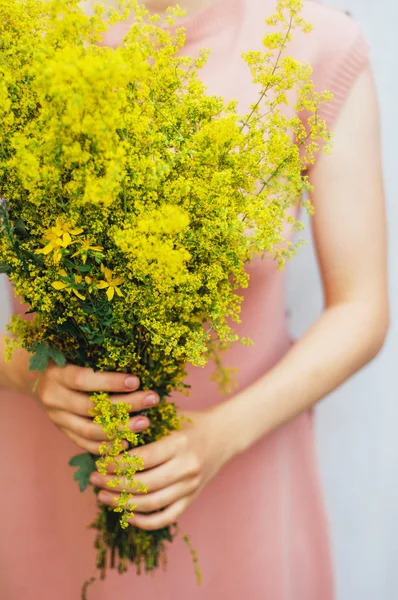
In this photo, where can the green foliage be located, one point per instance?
(85, 464)
(42, 354)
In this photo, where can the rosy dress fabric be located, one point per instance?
(259, 527)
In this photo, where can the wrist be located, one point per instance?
(16, 374)
(233, 439)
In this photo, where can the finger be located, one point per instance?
(158, 478)
(155, 453)
(88, 380)
(86, 429)
(162, 476)
(63, 399)
(86, 445)
(81, 404)
(163, 518)
(146, 503)
(137, 400)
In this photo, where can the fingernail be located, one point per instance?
(141, 424)
(150, 400)
(103, 496)
(132, 382)
(95, 479)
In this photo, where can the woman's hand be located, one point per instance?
(64, 393)
(177, 468)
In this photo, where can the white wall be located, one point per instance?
(4, 304)
(357, 425)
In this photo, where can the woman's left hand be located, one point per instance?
(177, 468)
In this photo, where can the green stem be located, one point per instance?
(279, 167)
(167, 119)
(85, 586)
(267, 87)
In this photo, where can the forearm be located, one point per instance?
(15, 375)
(342, 340)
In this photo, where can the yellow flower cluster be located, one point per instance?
(114, 420)
(132, 201)
(58, 237)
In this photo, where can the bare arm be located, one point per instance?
(350, 237)
(16, 375)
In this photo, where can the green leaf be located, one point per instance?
(85, 464)
(39, 361)
(87, 308)
(68, 327)
(57, 356)
(69, 263)
(4, 268)
(43, 353)
(19, 228)
(36, 259)
(83, 268)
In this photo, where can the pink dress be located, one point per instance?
(259, 527)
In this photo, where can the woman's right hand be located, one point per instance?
(64, 393)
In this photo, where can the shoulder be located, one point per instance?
(334, 21)
(340, 54)
(336, 47)
(335, 32)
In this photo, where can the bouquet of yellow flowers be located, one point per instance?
(131, 201)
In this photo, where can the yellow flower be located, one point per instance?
(85, 249)
(58, 237)
(68, 286)
(110, 284)
(180, 188)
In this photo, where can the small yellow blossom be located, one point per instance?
(85, 249)
(58, 237)
(109, 283)
(68, 286)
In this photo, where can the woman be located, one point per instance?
(242, 478)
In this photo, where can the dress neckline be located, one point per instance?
(211, 20)
(199, 26)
